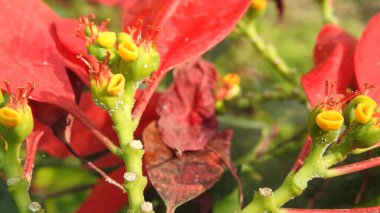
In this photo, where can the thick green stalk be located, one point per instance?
(17, 185)
(294, 185)
(132, 156)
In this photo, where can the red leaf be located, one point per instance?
(178, 180)
(29, 53)
(187, 109)
(367, 58)
(105, 198)
(189, 27)
(333, 57)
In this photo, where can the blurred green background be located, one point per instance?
(266, 112)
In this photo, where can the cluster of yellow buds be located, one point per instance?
(355, 113)
(132, 54)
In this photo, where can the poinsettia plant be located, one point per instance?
(126, 115)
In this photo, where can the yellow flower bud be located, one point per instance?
(259, 4)
(107, 39)
(329, 120)
(128, 50)
(363, 113)
(231, 79)
(116, 84)
(9, 117)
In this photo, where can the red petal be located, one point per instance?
(189, 28)
(105, 198)
(367, 58)
(29, 53)
(333, 57)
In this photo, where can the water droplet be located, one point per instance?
(186, 39)
(145, 65)
(34, 206)
(13, 181)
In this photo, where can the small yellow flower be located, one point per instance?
(116, 84)
(128, 50)
(363, 112)
(9, 117)
(329, 120)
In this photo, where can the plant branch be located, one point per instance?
(328, 11)
(267, 51)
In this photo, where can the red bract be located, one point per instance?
(338, 57)
(333, 59)
(188, 28)
(187, 109)
(28, 51)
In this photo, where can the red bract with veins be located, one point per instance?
(353, 65)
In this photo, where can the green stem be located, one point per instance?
(328, 12)
(268, 51)
(17, 185)
(125, 127)
(316, 164)
(294, 185)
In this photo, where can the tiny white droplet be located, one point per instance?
(136, 144)
(147, 207)
(34, 206)
(130, 176)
